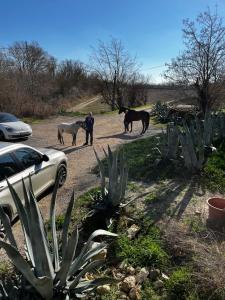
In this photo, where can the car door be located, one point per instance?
(41, 172)
(9, 168)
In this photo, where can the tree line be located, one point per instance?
(32, 82)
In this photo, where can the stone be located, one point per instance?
(128, 283)
(100, 255)
(158, 284)
(142, 275)
(135, 293)
(130, 270)
(165, 277)
(132, 231)
(103, 289)
(154, 274)
(123, 296)
(197, 213)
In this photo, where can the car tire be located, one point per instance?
(2, 136)
(62, 174)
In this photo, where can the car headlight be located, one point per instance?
(9, 129)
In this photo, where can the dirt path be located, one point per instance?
(108, 129)
(82, 105)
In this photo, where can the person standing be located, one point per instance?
(89, 121)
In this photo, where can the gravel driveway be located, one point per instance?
(108, 129)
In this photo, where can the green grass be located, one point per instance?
(152, 197)
(141, 157)
(179, 284)
(146, 250)
(72, 113)
(213, 176)
(79, 211)
(31, 120)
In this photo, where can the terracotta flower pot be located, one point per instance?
(216, 209)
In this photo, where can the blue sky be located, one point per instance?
(150, 30)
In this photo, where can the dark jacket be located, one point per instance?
(89, 121)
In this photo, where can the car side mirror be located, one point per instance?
(45, 157)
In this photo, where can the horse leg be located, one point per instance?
(74, 139)
(143, 126)
(131, 126)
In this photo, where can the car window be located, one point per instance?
(28, 157)
(8, 166)
(5, 117)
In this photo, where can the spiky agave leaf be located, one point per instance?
(70, 250)
(66, 223)
(102, 173)
(86, 286)
(53, 226)
(81, 260)
(43, 285)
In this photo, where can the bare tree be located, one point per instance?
(115, 68)
(202, 63)
(33, 68)
(70, 75)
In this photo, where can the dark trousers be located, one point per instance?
(89, 133)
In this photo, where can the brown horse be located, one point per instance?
(133, 115)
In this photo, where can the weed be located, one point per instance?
(179, 284)
(133, 187)
(195, 224)
(152, 197)
(5, 268)
(149, 293)
(213, 176)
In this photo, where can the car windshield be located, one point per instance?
(4, 117)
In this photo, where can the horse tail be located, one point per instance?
(59, 136)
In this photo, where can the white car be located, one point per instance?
(19, 161)
(12, 128)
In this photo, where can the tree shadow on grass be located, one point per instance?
(170, 203)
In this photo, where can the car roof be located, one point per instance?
(4, 146)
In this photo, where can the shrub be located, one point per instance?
(179, 284)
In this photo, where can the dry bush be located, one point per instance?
(205, 252)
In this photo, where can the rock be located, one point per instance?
(135, 293)
(165, 277)
(130, 270)
(197, 213)
(103, 289)
(123, 296)
(132, 231)
(100, 255)
(142, 275)
(158, 284)
(123, 265)
(128, 283)
(154, 274)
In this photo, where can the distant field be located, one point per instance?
(169, 95)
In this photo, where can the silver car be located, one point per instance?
(12, 128)
(19, 161)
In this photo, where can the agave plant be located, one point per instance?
(113, 186)
(52, 269)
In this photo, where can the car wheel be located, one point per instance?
(2, 136)
(62, 174)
